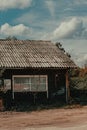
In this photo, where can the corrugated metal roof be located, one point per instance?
(33, 54)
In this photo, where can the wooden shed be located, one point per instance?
(34, 67)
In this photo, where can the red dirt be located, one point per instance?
(52, 117)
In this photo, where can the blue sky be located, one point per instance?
(62, 21)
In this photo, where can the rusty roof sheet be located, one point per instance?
(33, 54)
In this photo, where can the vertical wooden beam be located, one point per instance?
(67, 87)
(47, 87)
(12, 87)
(1, 104)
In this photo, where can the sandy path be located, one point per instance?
(57, 128)
(57, 119)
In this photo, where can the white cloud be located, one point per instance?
(85, 57)
(82, 59)
(69, 29)
(80, 2)
(34, 21)
(73, 28)
(77, 49)
(84, 20)
(76, 3)
(20, 31)
(11, 4)
(27, 18)
(17, 30)
(51, 6)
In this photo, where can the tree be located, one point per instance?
(11, 37)
(59, 45)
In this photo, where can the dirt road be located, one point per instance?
(53, 119)
(57, 128)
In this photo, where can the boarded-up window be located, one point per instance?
(30, 83)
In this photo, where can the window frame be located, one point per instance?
(27, 76)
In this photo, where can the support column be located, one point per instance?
(1, 104)
(12, 87)
(67, 87)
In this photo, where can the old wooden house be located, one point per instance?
(33, 67)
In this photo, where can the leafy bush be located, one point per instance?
(78, 86)
(79, 83)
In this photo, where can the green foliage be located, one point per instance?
(59, 45)
(78, 86)
(79, 83)
(74, 72)
(11, 37)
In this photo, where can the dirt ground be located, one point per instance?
(53, 117)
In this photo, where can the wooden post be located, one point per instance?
(1, 104)
(67, 87)
(12, 87)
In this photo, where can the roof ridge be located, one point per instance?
(25, 40)
(37, 40)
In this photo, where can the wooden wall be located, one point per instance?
(56, 77)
